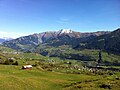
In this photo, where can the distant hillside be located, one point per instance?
(1, 40)
(4, 39)
(58, 38)
(6, 49)
(109, 42)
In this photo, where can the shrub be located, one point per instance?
(16, 63)
(105, 86)
(7, 62)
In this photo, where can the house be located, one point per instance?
(27, 67)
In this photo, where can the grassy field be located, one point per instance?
(55, 74)
(13, 78)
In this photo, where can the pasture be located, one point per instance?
(13, 78)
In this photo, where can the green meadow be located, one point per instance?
(13, 78)
(52, 73)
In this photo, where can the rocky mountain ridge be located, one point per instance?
(61, 37)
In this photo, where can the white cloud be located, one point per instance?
(11, 34)
(63, 20)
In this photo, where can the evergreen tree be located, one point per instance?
(99, 57)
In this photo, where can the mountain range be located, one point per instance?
(54, 39)
(4, 39)
(102, 40)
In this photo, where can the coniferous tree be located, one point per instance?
(99, 57)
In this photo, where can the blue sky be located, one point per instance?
(23, 17)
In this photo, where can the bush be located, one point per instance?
(10, 62)
(7, 62)
(105, 86)
(16, 63)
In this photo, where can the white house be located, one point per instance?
(27, 67)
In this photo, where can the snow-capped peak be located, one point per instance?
(66, 31)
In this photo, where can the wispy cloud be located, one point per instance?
(63, 20)
(11, 34)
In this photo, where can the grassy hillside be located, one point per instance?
(6, 49)
(12, 78)
(66, 52)
(56, 73)
(51, 73)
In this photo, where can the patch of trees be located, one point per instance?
(58, 53)
(115, 63)
(10, 62)
(77, 57)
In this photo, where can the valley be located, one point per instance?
(59, 44)
(62, 68)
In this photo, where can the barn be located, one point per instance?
(27, 67)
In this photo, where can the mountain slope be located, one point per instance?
(4, 39)
(6, 49)
(61, 37)
(1, 40)
(109, 42)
